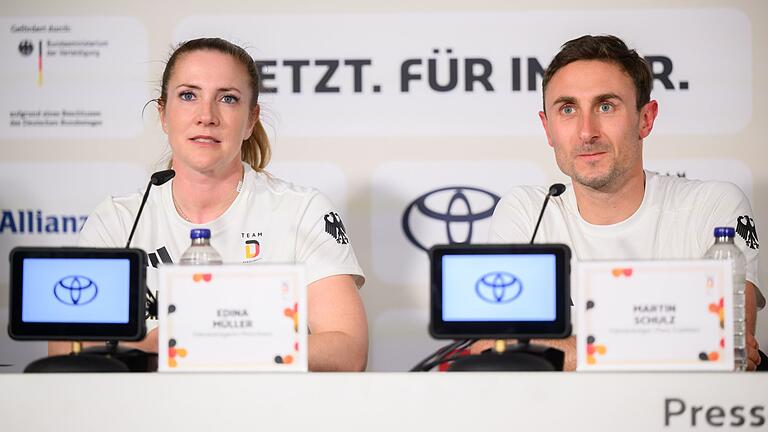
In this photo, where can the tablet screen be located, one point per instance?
(77, 293)
(517, 287)
(500, 291)
(70, 290)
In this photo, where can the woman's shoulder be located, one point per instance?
(128, 203)
(266, 182)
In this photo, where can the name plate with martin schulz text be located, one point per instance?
(654, 315)
(232, 318)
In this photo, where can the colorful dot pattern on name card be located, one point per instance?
(174, 352)
(293, 313)
(619, 272)
(594, 349)
(718, 310)
(202, 277)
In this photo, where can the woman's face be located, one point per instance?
(207, 114)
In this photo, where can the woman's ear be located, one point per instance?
(161, 114)
(252, 120)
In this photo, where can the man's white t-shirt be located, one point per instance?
(270, 221)
(676, 220)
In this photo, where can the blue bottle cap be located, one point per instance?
(725, 232)
(206, 233)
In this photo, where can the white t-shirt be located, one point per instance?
(270, 221)
(676, 220)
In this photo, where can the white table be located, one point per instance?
(382, 401)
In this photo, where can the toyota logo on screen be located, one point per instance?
(75, 290)
(498, 287)
(450, 213)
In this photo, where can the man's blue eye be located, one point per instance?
(568, 110)
(605, 107)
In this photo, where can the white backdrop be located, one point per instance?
(377, 104)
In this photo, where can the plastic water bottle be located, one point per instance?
(724, 248)
(200, 252)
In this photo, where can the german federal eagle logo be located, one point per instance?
(745, 227)
(335, 228)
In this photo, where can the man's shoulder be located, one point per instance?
(525, 194)
(680, 189)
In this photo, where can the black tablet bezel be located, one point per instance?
(557, 329)
(134, 330)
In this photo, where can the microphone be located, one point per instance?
(555, 190)
(157, 179)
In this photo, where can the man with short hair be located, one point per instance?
(597, 112)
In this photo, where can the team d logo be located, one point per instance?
(252, 249)
(451, 215)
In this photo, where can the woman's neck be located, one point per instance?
(202, 197)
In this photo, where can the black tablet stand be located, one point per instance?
(109, 358)
(522, 356)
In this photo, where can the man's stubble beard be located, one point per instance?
(600, 181)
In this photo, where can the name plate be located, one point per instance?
(654, 315)
(232, 318)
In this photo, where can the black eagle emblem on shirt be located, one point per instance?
(746, 229)
(335, 228)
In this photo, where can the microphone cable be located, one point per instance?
(442, 355)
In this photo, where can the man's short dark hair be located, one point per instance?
(609, 49)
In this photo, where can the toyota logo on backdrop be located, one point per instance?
(75, 290)
(450, 213)
(498, 287)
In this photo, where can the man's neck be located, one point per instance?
(610, 205)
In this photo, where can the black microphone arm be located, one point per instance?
(157, 179)
(555, 190)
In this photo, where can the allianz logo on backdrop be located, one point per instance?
(26, 221)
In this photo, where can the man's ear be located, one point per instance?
(544, 123)
(648, 115)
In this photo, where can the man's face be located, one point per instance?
(593, 124)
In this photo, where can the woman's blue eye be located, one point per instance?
(186, 96)
(229, 99)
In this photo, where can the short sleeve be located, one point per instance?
(732, 209)
(511, 221)
(323, 242)
(104, 227)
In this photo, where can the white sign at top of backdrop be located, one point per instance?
(478, 73)
(72, 77)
